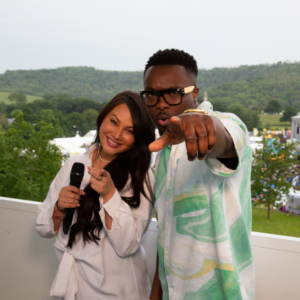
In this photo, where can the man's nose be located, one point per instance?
(162, 104)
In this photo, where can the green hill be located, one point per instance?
(74, 81)
(3, 98)
(279, 81)
(248, 85)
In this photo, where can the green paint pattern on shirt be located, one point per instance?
(189, 204)
(209, 227)
(223, 286)
(240, 244)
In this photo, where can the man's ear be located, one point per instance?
(195, 96)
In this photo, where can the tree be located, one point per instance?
(3, 107)
(296, 104)
(256, 108)
(219, 106)
(270, 166)
(28, 161)
(247, 115)
(49, 117)
(236, 109)
(18, 98)
(91, 116)
(288, 114)
(251, 119)
(273, 106)
(77, 121)
(4, 122)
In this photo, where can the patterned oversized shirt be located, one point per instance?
(204, 221)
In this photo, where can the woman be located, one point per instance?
(101, 256)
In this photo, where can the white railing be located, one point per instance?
(28, 262)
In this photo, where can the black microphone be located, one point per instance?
(76, 177)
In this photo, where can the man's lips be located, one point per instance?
(163, 122)
(163, 119)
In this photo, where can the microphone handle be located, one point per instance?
(67, 221)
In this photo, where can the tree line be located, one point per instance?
(67, 115)
(70, 115)
(79, 114)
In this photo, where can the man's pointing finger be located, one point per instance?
(160, 143)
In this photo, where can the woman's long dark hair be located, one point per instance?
(133, 163)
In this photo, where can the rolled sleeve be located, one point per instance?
(240, 137)
(44, 223)
(113, 205)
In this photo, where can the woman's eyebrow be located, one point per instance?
(116, 117)
(119, 120)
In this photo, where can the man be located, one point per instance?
(202, 188)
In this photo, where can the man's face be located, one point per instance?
(168, 77)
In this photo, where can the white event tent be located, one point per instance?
(74, 145)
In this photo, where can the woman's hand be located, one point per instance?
(69, 197)
(102, 183)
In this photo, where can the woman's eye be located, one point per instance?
(130, 131)
(113, 121)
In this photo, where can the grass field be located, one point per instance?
(3, 98)
(274, 122)
(279, 223)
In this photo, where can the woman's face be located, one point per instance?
(116, 131)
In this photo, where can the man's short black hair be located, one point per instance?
(173, 57)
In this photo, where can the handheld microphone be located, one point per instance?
(76, 177)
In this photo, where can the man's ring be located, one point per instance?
(100, 177)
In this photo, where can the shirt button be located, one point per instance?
(167, 251)
(172, 290)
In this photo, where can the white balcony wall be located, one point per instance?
(28, 263)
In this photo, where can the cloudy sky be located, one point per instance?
(121, 35)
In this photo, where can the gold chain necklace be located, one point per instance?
(102, 158)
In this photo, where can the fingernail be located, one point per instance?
(191, 158)
(78, 205)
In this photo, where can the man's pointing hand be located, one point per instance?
(196, 129)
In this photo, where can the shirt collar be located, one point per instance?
(92, 149)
